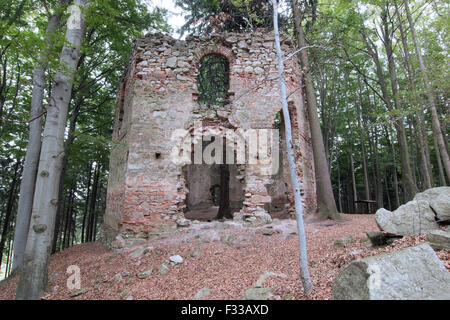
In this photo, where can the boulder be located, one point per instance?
(439, 201)
(258, 293)
(439, 240)
(145, 274)
(183, 223)
(266, 274)
(77, 293)
(163, 269)
(176, 259)
(415, 273)
(268, 231)
(430, 194)
(380, 238)
(137, 253)
(415, 217)
(202, 293)
(344, 242)
(441, 206)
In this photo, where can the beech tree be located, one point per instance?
(33, 278)
(27, 184)
(326, 205)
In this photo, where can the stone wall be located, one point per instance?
(158, 94)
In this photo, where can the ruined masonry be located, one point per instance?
(158, 94)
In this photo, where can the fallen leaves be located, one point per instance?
(228, 268)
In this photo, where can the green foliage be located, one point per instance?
(112, 26)
(209, 16)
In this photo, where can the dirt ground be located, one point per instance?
(228, 258)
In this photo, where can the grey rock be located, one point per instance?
(183, 223)
(441, 206)
(118, 244)
(248, 69)
(145, 274)
(126, 274)
(202, 293)
(380, 238)
(171, 62)
(268, 231)
(176, 259)
(231, 40)
(259, 70)
(195, 253)
(266, 274)
(124, 293)
(136, 253)
(163, 269)
(77, 293)
(430, 194)
(258, 293)
(415, 217)
(143, 63)
(118, 277)
(242, 45)
(439, 200)
(439, 240)
(415, 273)
(344, 242)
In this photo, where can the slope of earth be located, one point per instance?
(227, 258)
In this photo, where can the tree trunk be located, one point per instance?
(9, 208)
(423, 140)
(304, 272)
(33, 149)
(439, 163)
(352, 167)
(379, 188)
(363, 147)
(436, 125)
(326, 205)
(33, 279)
(407, 174)
(86, 205)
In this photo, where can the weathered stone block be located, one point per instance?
(414, 273)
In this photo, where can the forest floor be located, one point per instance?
(227, 258)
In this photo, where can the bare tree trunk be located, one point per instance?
(9, 208)
(423, 140)
(27, 184)
(33, 279)
(394, 171)
(326, 205)
(363, 147)
(306, 280)
(439, 163)
(352, 167)
(407, 174)
(379, 188)
(436, 125)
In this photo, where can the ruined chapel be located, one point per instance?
(228, 81)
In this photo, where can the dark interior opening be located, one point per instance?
(214, 191)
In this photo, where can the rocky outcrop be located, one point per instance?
(439, 201)
(415, 217)
(419, 216)
(415, 273)
(439, 240)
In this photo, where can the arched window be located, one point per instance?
(213, 80)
